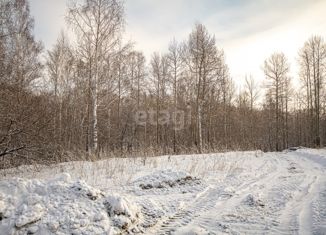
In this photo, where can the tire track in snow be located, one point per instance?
(319, 211)
(288, 185)
(290, 198)
(282, 196)
(312, 210)
(225, 220)
(298, 184)
(203, 202)
(213, 198)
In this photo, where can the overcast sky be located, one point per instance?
(248, 30)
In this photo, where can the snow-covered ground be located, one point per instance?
(225, 193)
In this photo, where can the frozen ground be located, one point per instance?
(230, 193)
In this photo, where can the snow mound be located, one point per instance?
(62, 206)
(294, 168)
(253, 201)
(29, 214)
(124, 212)
(166, 179)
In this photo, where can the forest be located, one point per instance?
(94, 96)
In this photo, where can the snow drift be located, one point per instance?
(62, 206)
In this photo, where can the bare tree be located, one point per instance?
(201, 57)
(176, 66)
(252, 91)
(276, 69)
(22, 50)
(98, 24)
(60, 68)
(312, 62)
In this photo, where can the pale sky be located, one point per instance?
(249, 31)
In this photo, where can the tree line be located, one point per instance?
(95, 95)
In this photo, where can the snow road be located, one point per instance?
(226, 193)
(282, 194)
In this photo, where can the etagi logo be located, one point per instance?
(163, 117)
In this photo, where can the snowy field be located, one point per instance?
(226, 193)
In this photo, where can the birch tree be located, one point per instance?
(201, 57)
(98, 24)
